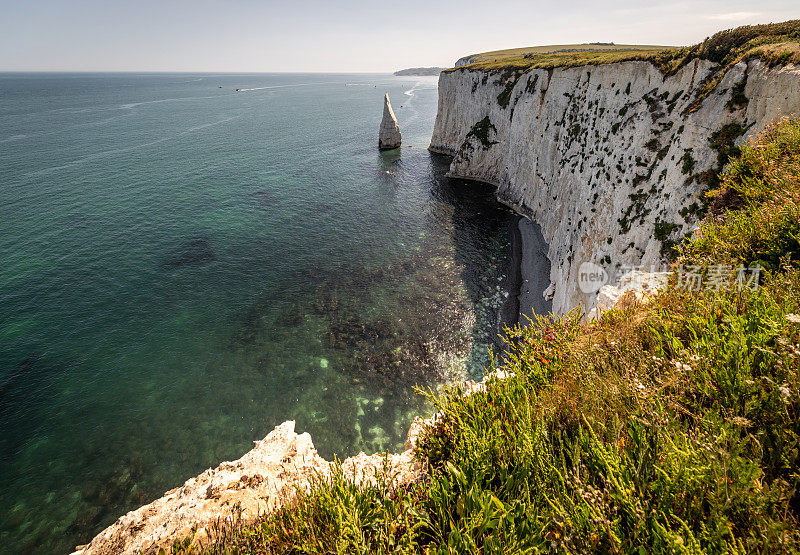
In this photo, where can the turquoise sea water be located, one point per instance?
(184, 266)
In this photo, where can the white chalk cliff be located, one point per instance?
(609, 159)
(389, 136)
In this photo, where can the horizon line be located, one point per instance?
(390, 72)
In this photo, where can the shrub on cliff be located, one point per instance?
(671, 426)
(725, 46)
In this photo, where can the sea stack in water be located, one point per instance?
(390, 132)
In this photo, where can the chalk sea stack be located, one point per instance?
(390, 132)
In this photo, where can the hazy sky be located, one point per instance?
(348, 35)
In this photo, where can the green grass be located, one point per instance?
(548, 58)
(671, 426)
(516, 54)
(777, 43)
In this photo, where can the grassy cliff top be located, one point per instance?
(529, 52)
(775, 42)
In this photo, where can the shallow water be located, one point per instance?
(185, 266)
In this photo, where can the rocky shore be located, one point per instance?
(265, 479)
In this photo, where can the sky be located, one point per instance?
(338, 36)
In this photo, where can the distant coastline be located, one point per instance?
(420, 71)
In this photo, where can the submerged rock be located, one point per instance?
(194, 252)
(390, 132)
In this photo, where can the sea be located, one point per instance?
(188, 260)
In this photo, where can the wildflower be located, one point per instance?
(793, 318)
(785, 391)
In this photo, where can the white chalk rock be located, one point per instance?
(390, 132)
(641, 284)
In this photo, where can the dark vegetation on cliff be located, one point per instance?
(670, 426)
(776, 43)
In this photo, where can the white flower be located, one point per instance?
(785, 391)
(793, 318)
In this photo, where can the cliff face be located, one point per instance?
(611, 160)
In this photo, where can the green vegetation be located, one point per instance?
(420, 71)
(671, 426)
(536, 55)
(776, 43)
(688, 162)
(723, 142)
(653, 145)
(738, 98)
(662, 231)
(762, 188)
(481, 132)
(505, 97)
(513, 53)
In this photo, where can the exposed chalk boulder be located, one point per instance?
(641, 285)
(263, 480)
(390, 132)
